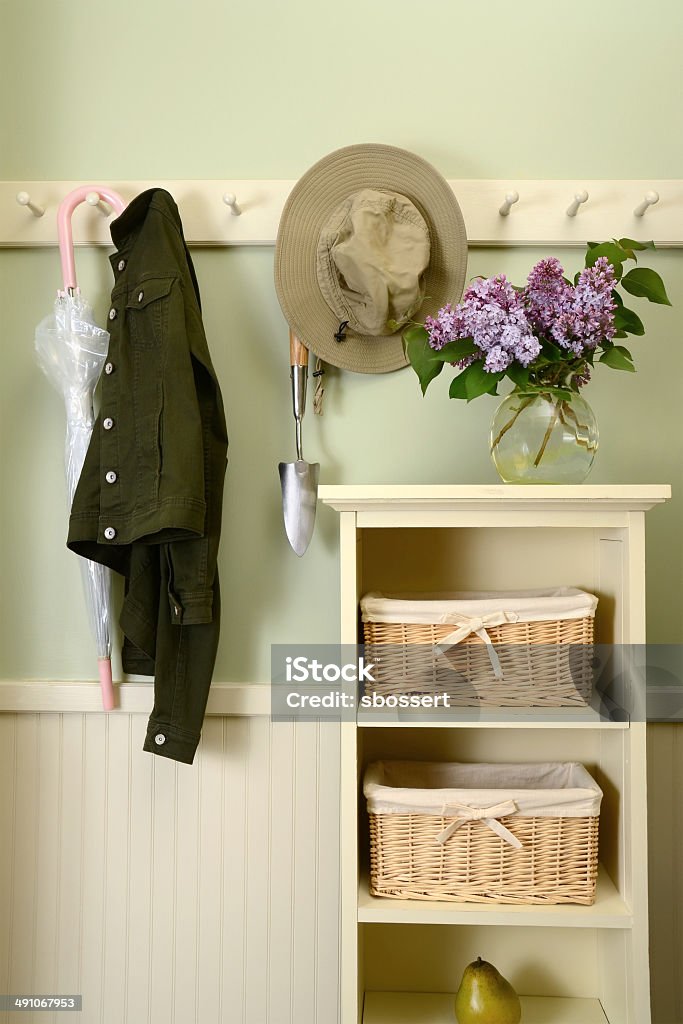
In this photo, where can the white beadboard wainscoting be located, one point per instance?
(170, 894)
(164, 893)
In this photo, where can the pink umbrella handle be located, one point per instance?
(64, 233)
(106, 685)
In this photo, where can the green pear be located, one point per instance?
(485, 997)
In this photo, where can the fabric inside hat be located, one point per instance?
(372, 255)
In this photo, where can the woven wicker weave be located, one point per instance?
(558, 862)
(544, 664)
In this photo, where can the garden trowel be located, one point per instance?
(299, 479)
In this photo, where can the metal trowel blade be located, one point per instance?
(299, 482)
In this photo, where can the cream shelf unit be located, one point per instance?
(402, 959)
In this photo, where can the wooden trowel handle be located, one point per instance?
(298, 353)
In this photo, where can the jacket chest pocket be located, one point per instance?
(147, 311)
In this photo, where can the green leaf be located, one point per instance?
(550, 353)
(417, 331)
(546, 390)
(479, 381)
(519, 375)
(630, 243)
(454, 351)
(592, 245)
(611, 250)
(474, 381)
(619, 358)
(616, 297)
(626, 320)
(422, 356)
(457, 388)
(647, 284)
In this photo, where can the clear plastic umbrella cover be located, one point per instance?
(70, 349)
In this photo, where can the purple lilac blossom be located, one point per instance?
(492, 314)
(444, 327)
(547, 294)
(581, 379)
(590, 316)
(497, 359)
(503, 322)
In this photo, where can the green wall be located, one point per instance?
(263, 90)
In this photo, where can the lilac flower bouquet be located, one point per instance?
(545, 337)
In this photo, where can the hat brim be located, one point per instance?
(306, 211)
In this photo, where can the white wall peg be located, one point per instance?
(510, 199)
(579, 198)
(95, 199)
(230, 199)
(650, 199)
(24, 199)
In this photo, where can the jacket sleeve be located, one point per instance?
(192, 561)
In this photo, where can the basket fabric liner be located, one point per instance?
(519, 606)
(473, 612)
(546, 790)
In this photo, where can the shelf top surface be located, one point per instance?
(594, 716)
(608, 911)
(437, 1008)
(636, 497)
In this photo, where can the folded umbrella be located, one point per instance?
(71, 349)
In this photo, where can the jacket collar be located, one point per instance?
(128, 223)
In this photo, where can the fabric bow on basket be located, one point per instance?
(489, 815)
(466, 625)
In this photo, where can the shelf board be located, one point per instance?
(505, 718)
(608, 911)
(479, 497)
(437, 1008)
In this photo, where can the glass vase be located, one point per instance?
(544, 438)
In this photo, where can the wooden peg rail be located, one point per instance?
(613, 208)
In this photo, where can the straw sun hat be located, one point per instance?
(370, 234)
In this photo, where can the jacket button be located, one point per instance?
(141, 296)
(110, 533)
(108, 368)
(160, 739)
(121, 264)
(110, 477)
(112, 314)
(108, 423)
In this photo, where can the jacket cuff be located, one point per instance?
(170, 741)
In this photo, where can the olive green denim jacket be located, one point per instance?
(148, 503)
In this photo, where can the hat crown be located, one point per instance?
(372, 255)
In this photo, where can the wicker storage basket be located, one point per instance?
(483, 833)
(528, 648)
